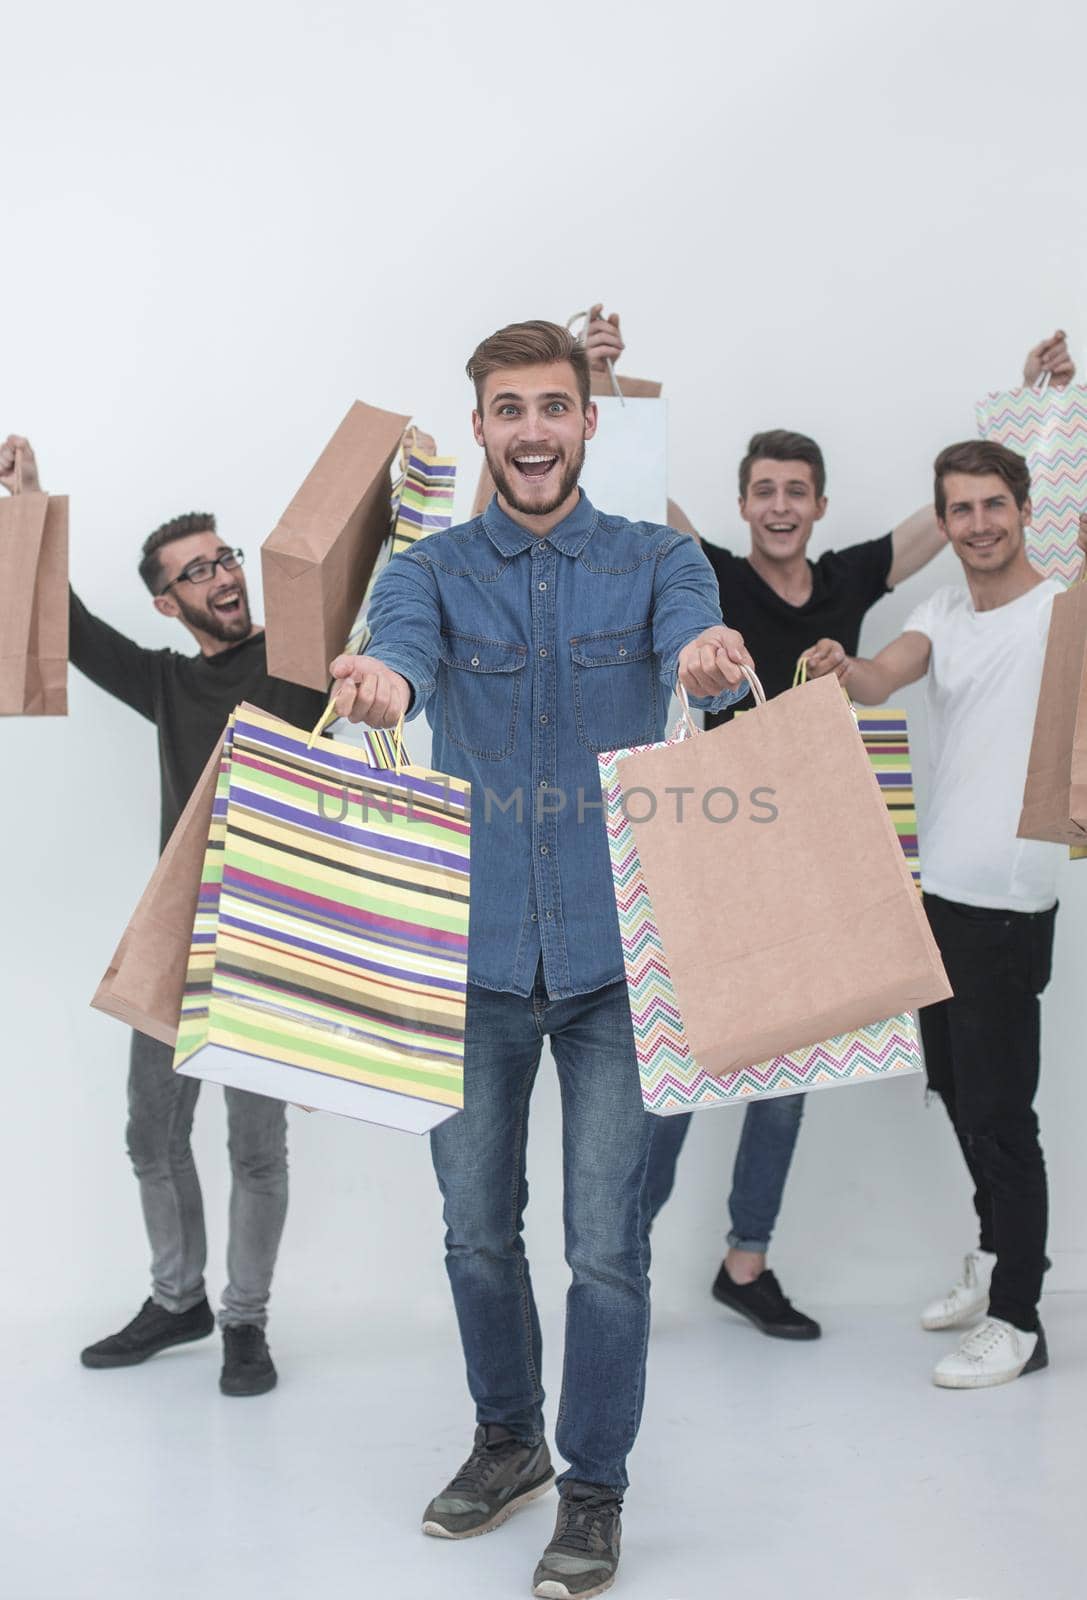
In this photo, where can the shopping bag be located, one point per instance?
(328, 964)
(422, 504)
(1055, 792)
(626, 462)
(885, 735)
(144, 984)
(145, 980)
(1047, 426)
(422, 497)
(671, 1079)
(33, 603)
(317, 562)
(785, 906)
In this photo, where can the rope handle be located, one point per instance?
(758, 694)
(801, 676)
(580, 336)
(329, 715)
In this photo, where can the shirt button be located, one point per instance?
(535, 918)
(544, 717)
(543, 652)
(622, 652)
(550, 914)
(543, 850)
(543, 586)
(475, 660)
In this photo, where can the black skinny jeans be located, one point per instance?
(982, 1058)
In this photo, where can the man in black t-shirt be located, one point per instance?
(782, 604)
(197, 579)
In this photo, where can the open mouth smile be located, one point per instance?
(227, 605)
(535, 467)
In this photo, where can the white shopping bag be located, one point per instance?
(626, 464)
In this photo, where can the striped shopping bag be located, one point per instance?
(1049, 427)
(422, 503)
(329, 953)
(671, 1079)
(422, 499)
(886, 737)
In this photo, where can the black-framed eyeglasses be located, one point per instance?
(204, 571)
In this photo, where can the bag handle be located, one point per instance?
(583, 318)
(758, 694)
(801, 676)
(376, 738)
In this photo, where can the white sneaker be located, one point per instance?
(968, 1299)
(996, 1352)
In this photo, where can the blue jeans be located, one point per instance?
(479, 1157)
(759, 1172)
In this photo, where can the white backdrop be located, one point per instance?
(224, 223)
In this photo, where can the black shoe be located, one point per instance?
(501, 1474)
(582, 1557)
(152, 1329)
(763, 1303)
(1040, 1358)
(247, 1364)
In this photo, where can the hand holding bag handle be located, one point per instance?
(758, 694)
(580, 334)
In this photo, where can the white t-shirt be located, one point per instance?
(981, 695)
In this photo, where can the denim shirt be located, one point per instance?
(530, 656)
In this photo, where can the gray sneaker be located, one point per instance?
(501, 1474)
(581, 1559)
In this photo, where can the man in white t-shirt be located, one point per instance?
(990, 897)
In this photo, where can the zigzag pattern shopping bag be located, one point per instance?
(1049, 427)
(671, 1079)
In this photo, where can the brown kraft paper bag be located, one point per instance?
(792, 917)
(33, 604)
(318, 560)
(145, 981)
(1055, 793)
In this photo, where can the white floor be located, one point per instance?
(831, 1471)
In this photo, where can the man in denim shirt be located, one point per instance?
(534, 637)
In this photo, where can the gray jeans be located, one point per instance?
(161, 1104)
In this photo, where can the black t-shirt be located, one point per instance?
(845, 584)
(188, 698)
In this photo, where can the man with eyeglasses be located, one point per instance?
(199, 580)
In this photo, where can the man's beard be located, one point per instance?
(509, 488)
(227, 630)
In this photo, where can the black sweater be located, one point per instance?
(188, 698)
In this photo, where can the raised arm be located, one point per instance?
(117, 664)
(913, 544)
(916, 540)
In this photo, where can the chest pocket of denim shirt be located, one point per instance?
(482, 684)
(616, 695)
